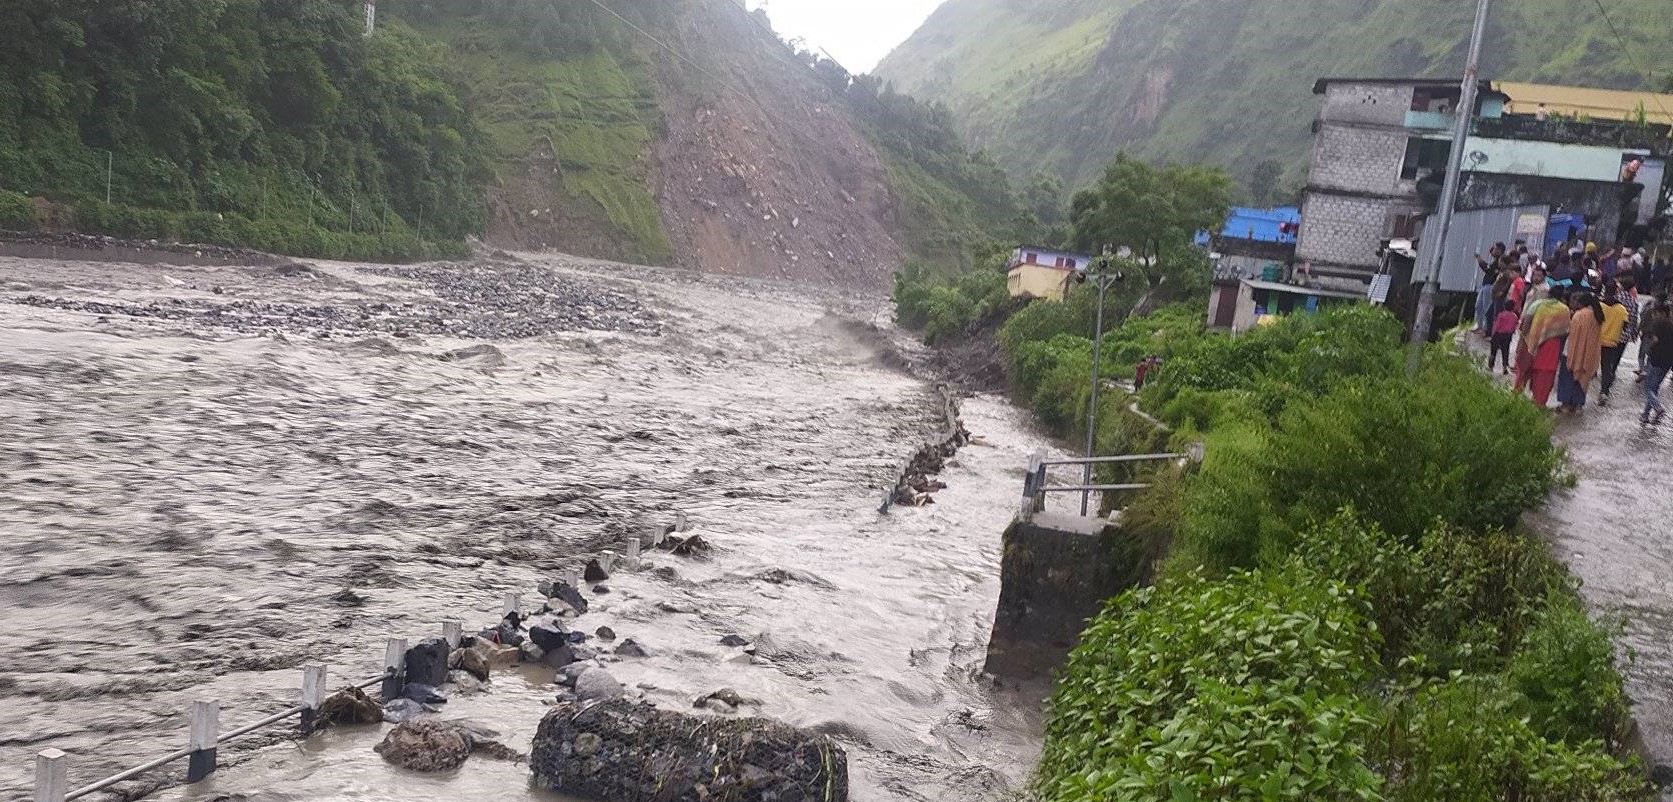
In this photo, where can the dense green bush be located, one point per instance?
(1243, 689)
(16, 212)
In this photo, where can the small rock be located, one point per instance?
(631, 648)
(1662, 775)
(403, 710)
(580, 652)
(734, 641)
(692, 546)
(531, 652)
(426, 745)
(717, 706)
(666, 573)
(595, 684)
(605, 633)
(548, 636)
(473, 661)
(601, 589)
(423, 694)
(577, 637)
(595, 572)
(463, 682)
(569, 595)
(727, 696)
(587, 744)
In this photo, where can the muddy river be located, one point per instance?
(210, 476)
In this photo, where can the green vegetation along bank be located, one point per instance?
(1347, 607)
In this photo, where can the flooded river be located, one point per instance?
(211, 476)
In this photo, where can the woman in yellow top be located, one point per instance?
(1612, 335)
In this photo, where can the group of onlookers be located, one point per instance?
(1570, 322)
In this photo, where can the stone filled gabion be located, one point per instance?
(623, 751)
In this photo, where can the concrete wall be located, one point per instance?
(1058, 571)
(1548, 159)
(1372, 104)
(1032, 281)
(1360, 160)
(1347, 230)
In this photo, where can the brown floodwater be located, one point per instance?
(212, 476)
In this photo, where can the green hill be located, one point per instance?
(1062, 85)
(285, 126)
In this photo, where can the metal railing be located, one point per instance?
(52, 765)
(1036, 485)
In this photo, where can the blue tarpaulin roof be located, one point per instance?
(1257, 224)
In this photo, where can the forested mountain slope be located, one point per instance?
(1062, 85)
(698, 139)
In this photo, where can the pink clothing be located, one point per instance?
(1507, 322)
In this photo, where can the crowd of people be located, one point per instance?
(1566, 323)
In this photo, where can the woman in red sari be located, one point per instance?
(1545, 326)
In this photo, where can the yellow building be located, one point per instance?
(1045, 273)
(1580, 101)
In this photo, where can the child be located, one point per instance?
(1504, 330)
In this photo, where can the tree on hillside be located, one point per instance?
(1153, 210)
(1264, 190)
(1045, 198)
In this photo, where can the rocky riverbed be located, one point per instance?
(210, 476)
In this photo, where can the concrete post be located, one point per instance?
(573, 577)
(607, 560)
(630, 560)
(313, 695)
(511, 603)
(394, 666)
(52, 775)
(206, 724)
(453, 632)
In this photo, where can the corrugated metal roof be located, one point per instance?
(1598, 104)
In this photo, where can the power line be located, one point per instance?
(1649, 77)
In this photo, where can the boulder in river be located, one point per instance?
(427, 662)
(472, 661)
(594, 684)
(567, 594)
(605, 633)
(548, 636)
(426, 745)
(631, 648)
(595, 572)
(622, 750)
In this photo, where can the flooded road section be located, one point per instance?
(211, 476)
(1615, 530)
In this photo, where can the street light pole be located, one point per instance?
(1424, 319)
(1104, 278)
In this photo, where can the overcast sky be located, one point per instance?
(859, 33)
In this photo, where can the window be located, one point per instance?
(1031, 258)
(1424, 155)
(1403, 226)
(1070, 263)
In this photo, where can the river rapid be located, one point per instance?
(210, 476)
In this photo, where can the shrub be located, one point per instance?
(16, 211)
(1447, 445)
(1465, 740)
(1565, 674)
(1243, 689)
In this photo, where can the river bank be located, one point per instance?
(215, 474)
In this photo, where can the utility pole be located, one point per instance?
(1104, 279)
(1442, 220)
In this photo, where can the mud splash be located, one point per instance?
(195, 510)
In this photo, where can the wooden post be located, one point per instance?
(395, 667)
(313, 695)
(206, 722)
(453, 632)
(52, 775)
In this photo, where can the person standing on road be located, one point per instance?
(1613, 339)
(1658, 341)
(1504, 331)
(1582, 354)
(1489, 268)
(1544, 326)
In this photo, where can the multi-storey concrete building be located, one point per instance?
(1380, 151)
